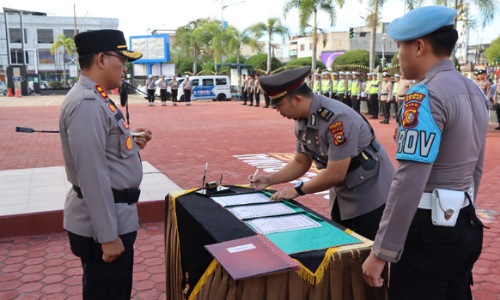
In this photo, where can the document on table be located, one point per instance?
(260, 210)
(283, 223)
(241, 199)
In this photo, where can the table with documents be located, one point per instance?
(329, 256)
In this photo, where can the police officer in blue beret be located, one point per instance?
(101, 156)
(429, 231)
(355, 167)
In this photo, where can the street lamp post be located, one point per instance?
(383, 51)
(224, 7)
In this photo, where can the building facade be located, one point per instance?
(26, 38)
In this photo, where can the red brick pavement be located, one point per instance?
(184, 138)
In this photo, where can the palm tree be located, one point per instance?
(240, 38)
(308, 9)
(487, 8)
(272, 27)
(372, 21)
(68, 46)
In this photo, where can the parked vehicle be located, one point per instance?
(207, 87)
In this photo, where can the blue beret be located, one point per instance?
(421, 22)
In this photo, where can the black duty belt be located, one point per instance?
(364, 159)
(129, 196)
(384, 94)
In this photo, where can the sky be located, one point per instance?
(140, 19)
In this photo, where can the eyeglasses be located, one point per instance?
(122, 59)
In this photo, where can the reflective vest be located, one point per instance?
(341, 86)
(325, 85)
(349, 82)
(335, 83)
(374, 86)
(395, 88)
(316, 86)
(355, 87)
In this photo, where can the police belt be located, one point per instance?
(129, 196)
(426, 200)
(364, 159)
(384, 94)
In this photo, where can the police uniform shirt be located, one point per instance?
(440, 144)
(403, 87)
(100, 155)
(385, 91)
(335, 132)
(187, 84)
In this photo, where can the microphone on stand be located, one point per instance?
(123, 94)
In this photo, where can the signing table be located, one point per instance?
(193, 220)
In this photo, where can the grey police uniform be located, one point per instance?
(100, 155)
(335, 132)
(458, 113)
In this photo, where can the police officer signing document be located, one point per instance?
(102, 162)
(356, 167)
(429, 230)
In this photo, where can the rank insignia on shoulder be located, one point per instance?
(101, 91)
(325, 114)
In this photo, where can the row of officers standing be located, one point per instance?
(349, 88)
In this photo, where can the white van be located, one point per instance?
(207, 87)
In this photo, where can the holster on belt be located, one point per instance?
(364, 159)
(129, 196)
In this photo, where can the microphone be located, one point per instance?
(123, 94)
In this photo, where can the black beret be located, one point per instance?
(278, 85)
(96, 41)
(481, 71)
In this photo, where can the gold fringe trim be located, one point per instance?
(203, 279)
(317, 277)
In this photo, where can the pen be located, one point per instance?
(204, 176)
(255, 174)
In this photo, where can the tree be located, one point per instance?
(187, 43)
(487, 9)
(492, 53)
(271, 28)
(354, 58)
(259, 62)
(308, 9)
(240, 38)
(68, 46)
(304, 61)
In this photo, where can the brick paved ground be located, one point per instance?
(41, 267)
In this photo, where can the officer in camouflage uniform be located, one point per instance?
(102, 163)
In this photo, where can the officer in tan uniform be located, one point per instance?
(429, 231)
(102, 163)
(385, 97)
(339, 141)
(403, 88)
(496, 103)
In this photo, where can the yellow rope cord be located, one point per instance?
(203, 279)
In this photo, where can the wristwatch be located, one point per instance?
(298, 188)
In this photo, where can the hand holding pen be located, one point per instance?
(258, 181)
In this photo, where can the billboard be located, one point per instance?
(154, 48)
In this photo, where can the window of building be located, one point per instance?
(302, 47)
(15, 35)
(220, 81)
(70, 33)
(45, 36)
(16, 57)
(44, 56)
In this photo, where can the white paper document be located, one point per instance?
(260, 210)
(241, 199)
(282, 223)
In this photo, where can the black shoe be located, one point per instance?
(498, 128)
(384, 122)
(374, 118)
(265, 106)
(244, 104)
(251, 104)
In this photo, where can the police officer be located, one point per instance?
(356, 88)
(342, 87)
(483, 83)
(335, 82)
(326, 84)
(317, 83)
(385, 97)
(403, 88)
(355, 166)
(394, 99)
(374, 97)
(102, 163)
(368, 86)
(496, 102)
(429, 230)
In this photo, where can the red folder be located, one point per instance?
(251, 256)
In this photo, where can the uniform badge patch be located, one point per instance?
(337, 130)
(411, 105)
(112, 107)
(325, 114)
(128, 143)
(125, 125)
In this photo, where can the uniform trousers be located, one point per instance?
(174, 95)
(340, 97)
(187, 95)
(366, 224)
(244, 96)
(326, 94)
(151, 96)
(437, 261)
(385, 106)
(374, 105)
(163, 95)
(101, 280)
(257, 99)
(267, 100)
(250, 98)
(347, 100)
(498, 113)
(355, 103)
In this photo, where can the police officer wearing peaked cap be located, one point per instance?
(429, 231)
(355, 167)
(102, 163)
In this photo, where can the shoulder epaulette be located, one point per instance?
(89, 94)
